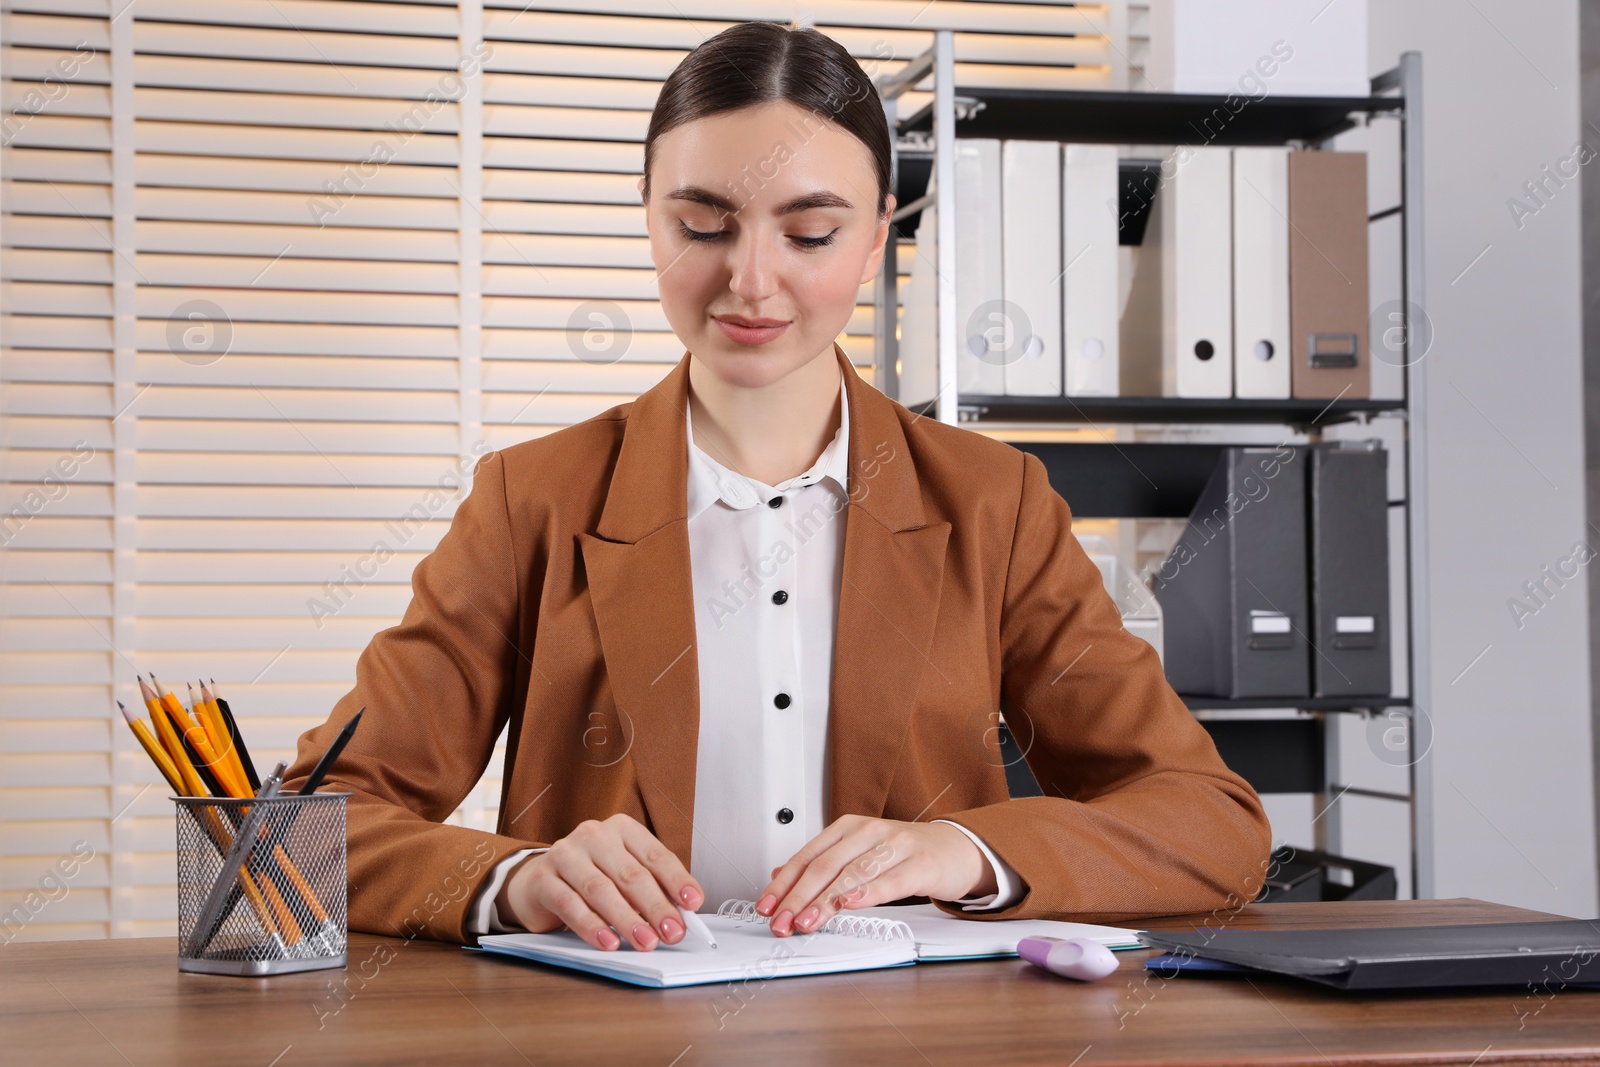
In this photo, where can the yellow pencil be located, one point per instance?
(230, 775)
(192, 785)
(153, 749)
(215, 829)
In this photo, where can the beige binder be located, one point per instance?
(1328, 274)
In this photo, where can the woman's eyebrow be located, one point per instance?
(695, 194)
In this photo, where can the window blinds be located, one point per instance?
(276, 273)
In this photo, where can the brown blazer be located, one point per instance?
(559, 602)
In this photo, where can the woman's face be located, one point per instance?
(766, 215)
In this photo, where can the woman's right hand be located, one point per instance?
(603, 875)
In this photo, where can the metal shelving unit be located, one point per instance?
(1285, 755)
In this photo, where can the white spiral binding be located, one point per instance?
(870, 927)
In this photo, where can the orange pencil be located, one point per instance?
(202, 715)
(151, 701)
(230, 773)
(192, 786)
(158, 715)
(167, 735)
(195, 734)
(215, 829)
(280, 909)
(221, 738)
(298, 880)
(222, 742)
(169, 711)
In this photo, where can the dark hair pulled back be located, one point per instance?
(755, 63)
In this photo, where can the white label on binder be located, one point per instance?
(1354, 624)
(1268, 622)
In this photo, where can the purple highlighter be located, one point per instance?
(1073, 957)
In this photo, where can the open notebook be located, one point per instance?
(854, 941)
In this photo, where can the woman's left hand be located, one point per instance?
(859, 862)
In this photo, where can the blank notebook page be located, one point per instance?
(745, 949)
(945, 937)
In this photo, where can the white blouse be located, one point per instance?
(766, 563)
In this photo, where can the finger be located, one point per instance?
(679, 886)
(639, 889)
(797, 909)
(892, 883)
(856, 876)
(603, 897)
(552, 893)
(785, 877)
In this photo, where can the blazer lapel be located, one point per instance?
(640, 585)
(637, 566)
(888, 605)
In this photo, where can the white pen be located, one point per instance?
(693, 922)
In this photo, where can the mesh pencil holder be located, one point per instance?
(275, 903)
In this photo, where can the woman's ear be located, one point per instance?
(875, 257)
(641, 189)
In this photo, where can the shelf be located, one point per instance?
(1089, 410)
(1275, 749)
(1138, 181)
(1130, 479)
(1198, 703)
(1273, 755)
(1155, 118)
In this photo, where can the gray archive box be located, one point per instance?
(1349, 520)
(1233, 591)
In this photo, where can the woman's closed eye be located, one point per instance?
(803, 242)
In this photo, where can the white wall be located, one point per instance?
(1512, 764)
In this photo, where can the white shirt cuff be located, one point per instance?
(1008, 884)
(484, 917)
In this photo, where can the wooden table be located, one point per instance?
(405, 1002)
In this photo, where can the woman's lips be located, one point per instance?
(750, 335)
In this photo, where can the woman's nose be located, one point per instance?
(752, 272)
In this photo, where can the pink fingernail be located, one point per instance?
(809, 916)
(609, 940)
(687, 895)
(671, 930)
(645, 937)
(781, 924)
(765, 905)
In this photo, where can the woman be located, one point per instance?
(750, 632)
